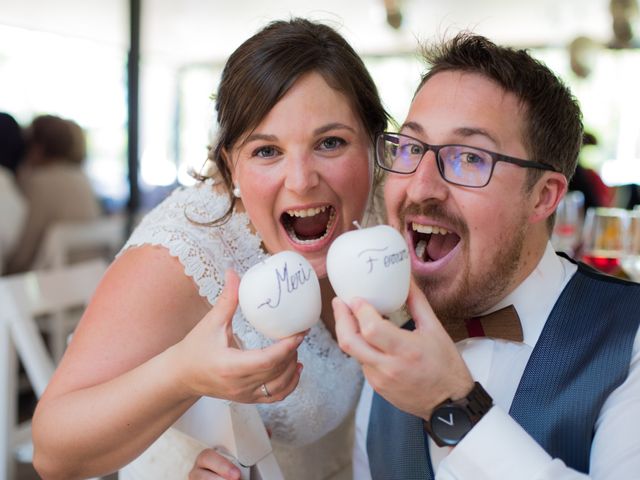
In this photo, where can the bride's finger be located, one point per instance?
(264, 361)
(281, 387)
(267, 372)
(278, 387)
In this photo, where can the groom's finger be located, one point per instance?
(349, 337)
(376, 330)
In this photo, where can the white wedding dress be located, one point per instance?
(312, 428)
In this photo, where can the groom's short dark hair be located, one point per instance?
(553, 130)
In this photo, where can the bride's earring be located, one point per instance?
(236, 192)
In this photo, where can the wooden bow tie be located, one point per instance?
(503, 323)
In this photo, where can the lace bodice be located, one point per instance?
(330, 383)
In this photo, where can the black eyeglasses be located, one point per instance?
(458, 164)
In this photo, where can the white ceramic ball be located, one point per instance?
(373, 264)
(280, 296)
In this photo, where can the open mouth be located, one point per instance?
(432, 243)
(309, 225)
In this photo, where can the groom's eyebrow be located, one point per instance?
(463, 132)
(413, 126)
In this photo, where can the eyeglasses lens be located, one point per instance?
(458, 164)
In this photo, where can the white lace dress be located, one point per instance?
(312, 428)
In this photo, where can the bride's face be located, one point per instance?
(303, 172)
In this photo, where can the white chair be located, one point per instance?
(101, 237)
(66, 243)
(23, 298)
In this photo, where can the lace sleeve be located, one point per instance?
(180, 224)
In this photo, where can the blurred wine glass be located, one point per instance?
(603, 238)
(567, 231)
(631, 258)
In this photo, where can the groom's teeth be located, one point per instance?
(307, 212)
(429, 229)
(420, 248)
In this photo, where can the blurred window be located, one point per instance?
(85, 80)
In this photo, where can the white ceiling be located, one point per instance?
(188, 31)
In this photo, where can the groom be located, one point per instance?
(474, 178)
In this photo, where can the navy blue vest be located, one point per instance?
(582, 355)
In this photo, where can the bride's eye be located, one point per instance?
(266, 152)
(331, 143)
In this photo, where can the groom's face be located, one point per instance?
(467, 244)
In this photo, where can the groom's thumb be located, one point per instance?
(419, 308)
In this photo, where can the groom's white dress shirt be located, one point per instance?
(498, 447)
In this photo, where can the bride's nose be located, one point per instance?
(301, 173)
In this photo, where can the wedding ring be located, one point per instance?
(265, 392)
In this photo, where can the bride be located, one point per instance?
(297, 115)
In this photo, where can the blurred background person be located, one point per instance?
(53, 182)
(586, 180)
(13, 208)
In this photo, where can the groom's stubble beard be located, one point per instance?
(475, 291)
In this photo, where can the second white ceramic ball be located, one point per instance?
(373, 264)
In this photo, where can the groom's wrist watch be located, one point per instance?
(453, 419)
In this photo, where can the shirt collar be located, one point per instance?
(535, 297)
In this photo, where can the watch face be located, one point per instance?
(450, 424)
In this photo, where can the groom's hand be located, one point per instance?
(414, 370)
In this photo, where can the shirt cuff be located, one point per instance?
(496, 447)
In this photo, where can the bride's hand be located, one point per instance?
(209, 362)
(210, 465)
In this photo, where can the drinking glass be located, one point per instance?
(631, 258)
(603, 238)
(567, 231)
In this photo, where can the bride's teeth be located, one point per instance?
(308, 212)
(420, 248)
(429, 229)
(292, 233)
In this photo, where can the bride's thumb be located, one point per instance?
(227, 302)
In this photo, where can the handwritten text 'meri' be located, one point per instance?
(287, 284)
